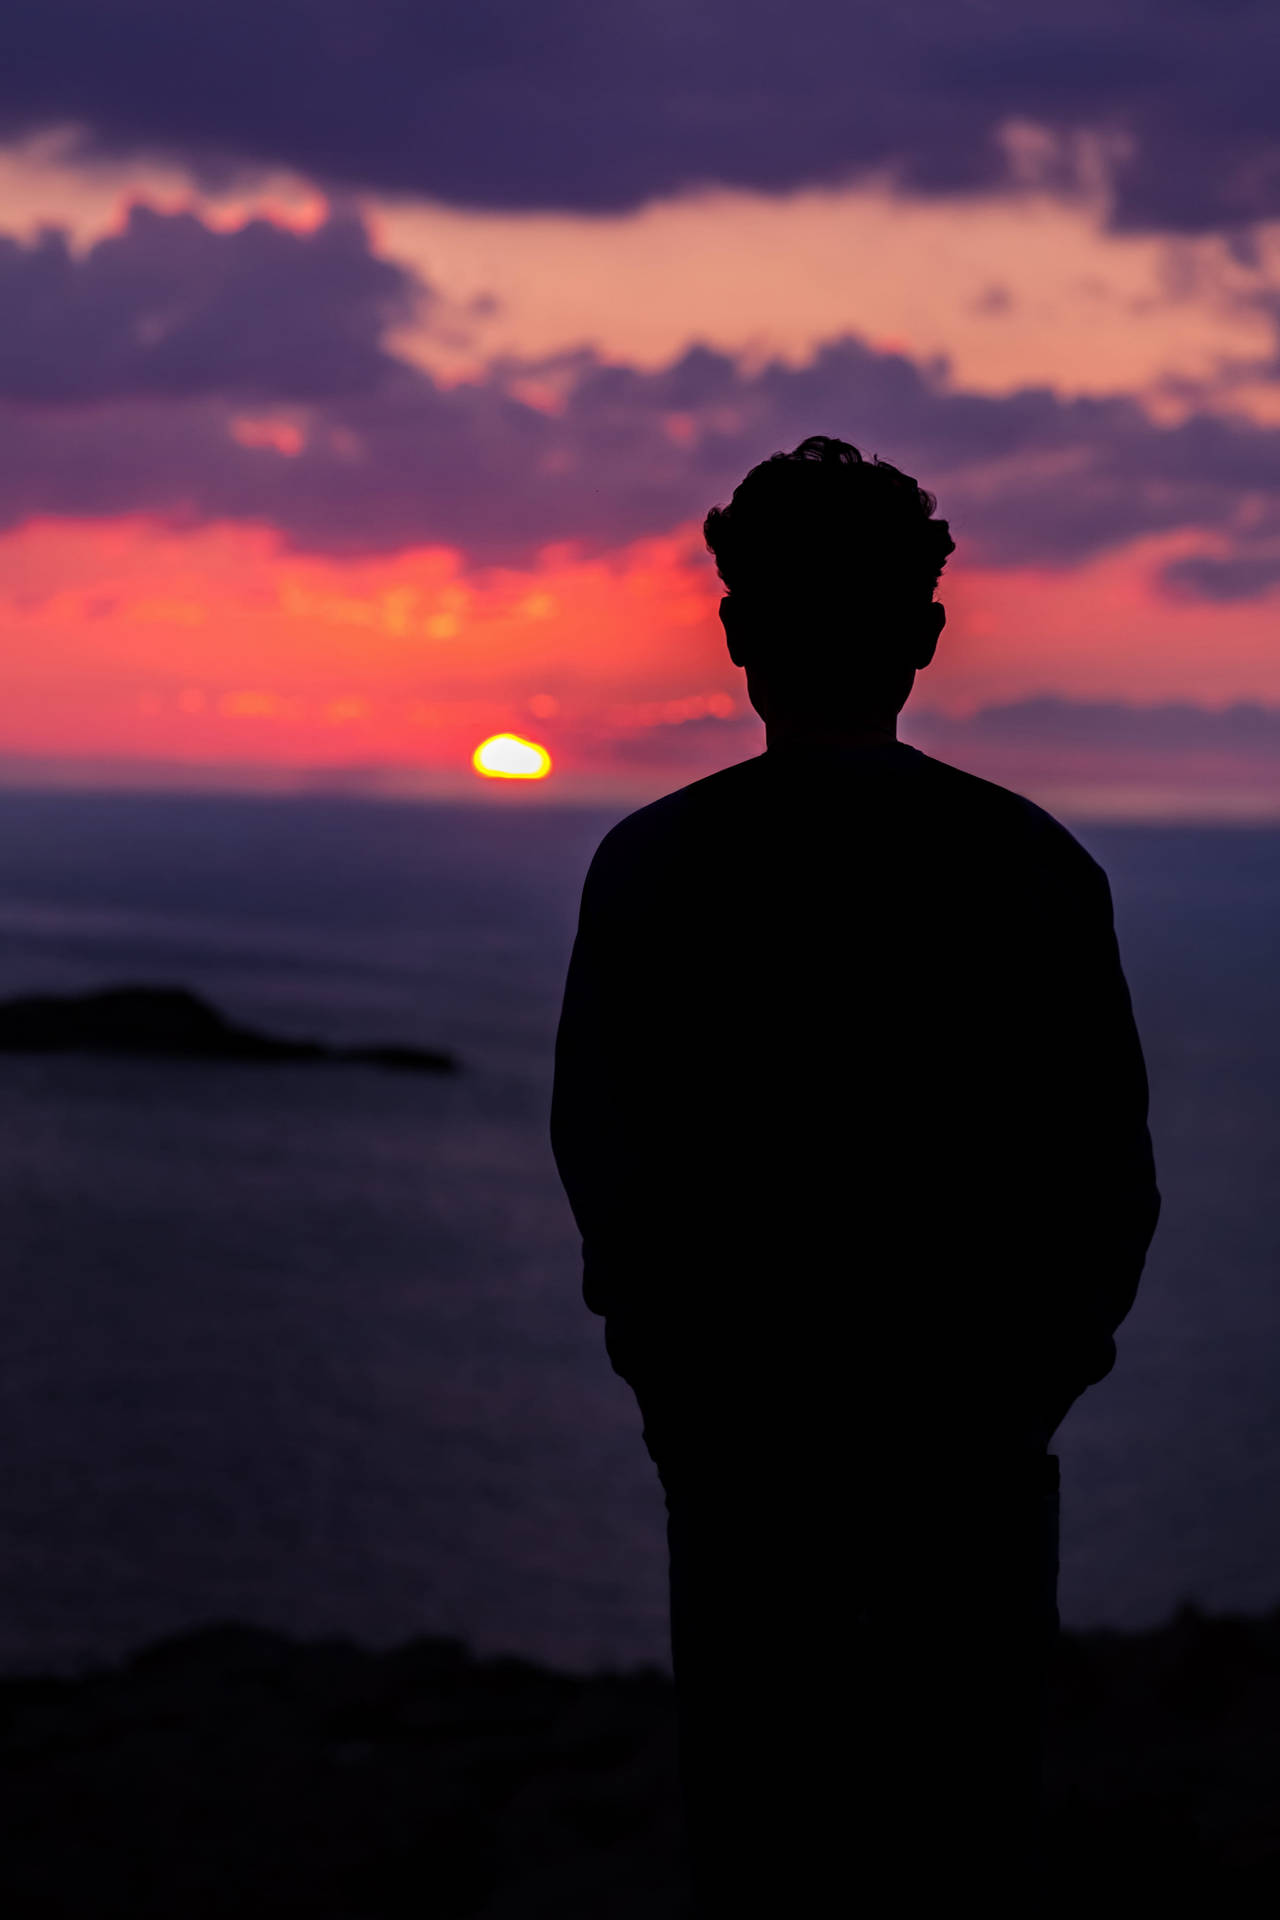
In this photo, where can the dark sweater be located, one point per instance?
(849, 1103)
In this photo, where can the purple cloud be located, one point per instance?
(1222, 577)
(494, 103)
(171, 307)
(1050, 722)
(125, 376)
(1058, 751)
(1022, 479)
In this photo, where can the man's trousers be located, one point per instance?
(861, 1648)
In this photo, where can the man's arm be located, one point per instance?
(1093, 1174)
(595, 1120)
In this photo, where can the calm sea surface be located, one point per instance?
(304, 1346)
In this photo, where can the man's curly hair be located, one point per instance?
(821, 527)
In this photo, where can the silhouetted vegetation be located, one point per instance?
(237, 1772)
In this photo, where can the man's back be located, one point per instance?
(849, 1099)
(851, 1112)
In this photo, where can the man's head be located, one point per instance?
(830, 562)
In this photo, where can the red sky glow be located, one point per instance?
(314, 485)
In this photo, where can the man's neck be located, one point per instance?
(799, 736)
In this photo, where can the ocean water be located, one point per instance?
(304, 1345)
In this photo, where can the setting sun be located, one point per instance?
(505, 756)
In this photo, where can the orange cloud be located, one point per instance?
(1101, 631)
(285, 436)
(131, 640)
(1015, 287)
(217, 646)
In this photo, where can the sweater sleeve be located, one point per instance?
(594, 1132)
(1091, 1178)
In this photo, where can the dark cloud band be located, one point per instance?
(496, 103)
(197, 376)
(170, 307)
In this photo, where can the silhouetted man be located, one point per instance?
(852, 1115)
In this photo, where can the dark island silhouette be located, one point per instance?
(175, 1023)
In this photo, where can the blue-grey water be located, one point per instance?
(304, 1345)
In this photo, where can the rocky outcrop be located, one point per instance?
(234, 1772)
(176, 1023)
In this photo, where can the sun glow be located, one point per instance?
(505, 756)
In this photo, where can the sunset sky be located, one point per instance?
(367, 372)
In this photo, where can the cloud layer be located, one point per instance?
(201, 375)
(170, 307)
(493, 103)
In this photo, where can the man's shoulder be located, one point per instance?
(972, 807)
(1001, 813)
(666, 822)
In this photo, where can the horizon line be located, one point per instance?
(1110, 804)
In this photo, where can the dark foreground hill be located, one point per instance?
(174, 1023)
(237, 1773)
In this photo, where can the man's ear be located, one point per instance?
(732, 630)
(931, 628)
